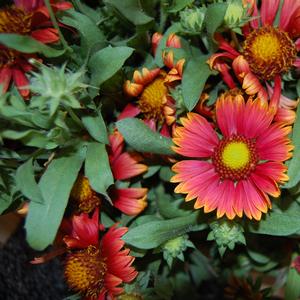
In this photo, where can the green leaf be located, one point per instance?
(107, 62)
(43, 220)
(159, 231)
(131, 10)
(292, 288)
(278, 223)
(88, 29)
(97, 168)
(27, 44)
(26, 182)
(142, 138)
(194, 78)
(95, 125)
(294, 162)
(214, 18)
(33, 138)
(178, 5)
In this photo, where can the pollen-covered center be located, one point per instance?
(85, 271)
(269, 51)
(236, 155)
(153, 99)
(15, 20)
(83, 195)
(235, 158)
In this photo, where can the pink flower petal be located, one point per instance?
(197, 138)
(268, 11)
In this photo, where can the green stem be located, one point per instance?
(56, 26)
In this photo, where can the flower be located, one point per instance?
(150, 87)
(267, 51)
(83, 195)
(30, 18)
(124, 166)
(97, 267)
(233, 174)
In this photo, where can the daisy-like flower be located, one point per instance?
(84, 196)
(124, 166)
(96, 267)
(31, 18)
(150, 88)
(233, 173)
(267, 52)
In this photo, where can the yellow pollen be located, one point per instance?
(15, 20)
(152, 100)
(85, 271)
(83, 195)
(236, 155)
(269, 52)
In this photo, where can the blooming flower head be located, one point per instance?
(150, 88)
(236, 172)
(30, 18)
(83, 195)
(267, 51)
(97, 267)
(124, 166)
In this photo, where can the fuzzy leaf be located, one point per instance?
(214, 18)
(278, 224)
(27, 44)
(26, 182)
(294, 163)
(131, 10)
(159, 231)
(194, 77)
(95, 125)
(106, 62)
(178, 5)
(142, 138)
(88, 29)
(43, 220)
(97, 168)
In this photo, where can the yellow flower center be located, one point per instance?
(235, 158)
(269, 52)
(85, 271)
(15, 20)
(83, 195)
(236, 155)
(153, 99)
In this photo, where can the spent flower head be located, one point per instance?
(226, 234)
(57, 86)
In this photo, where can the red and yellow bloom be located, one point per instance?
(267, 51)
(124, 166)
(97, 267)
(150, 87)
(29, 18)
(233, 174)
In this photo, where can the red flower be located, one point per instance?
(124, 166)
(267, 52)
(30, 18)
(234, 170)
(150, 87)
(96, 268)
